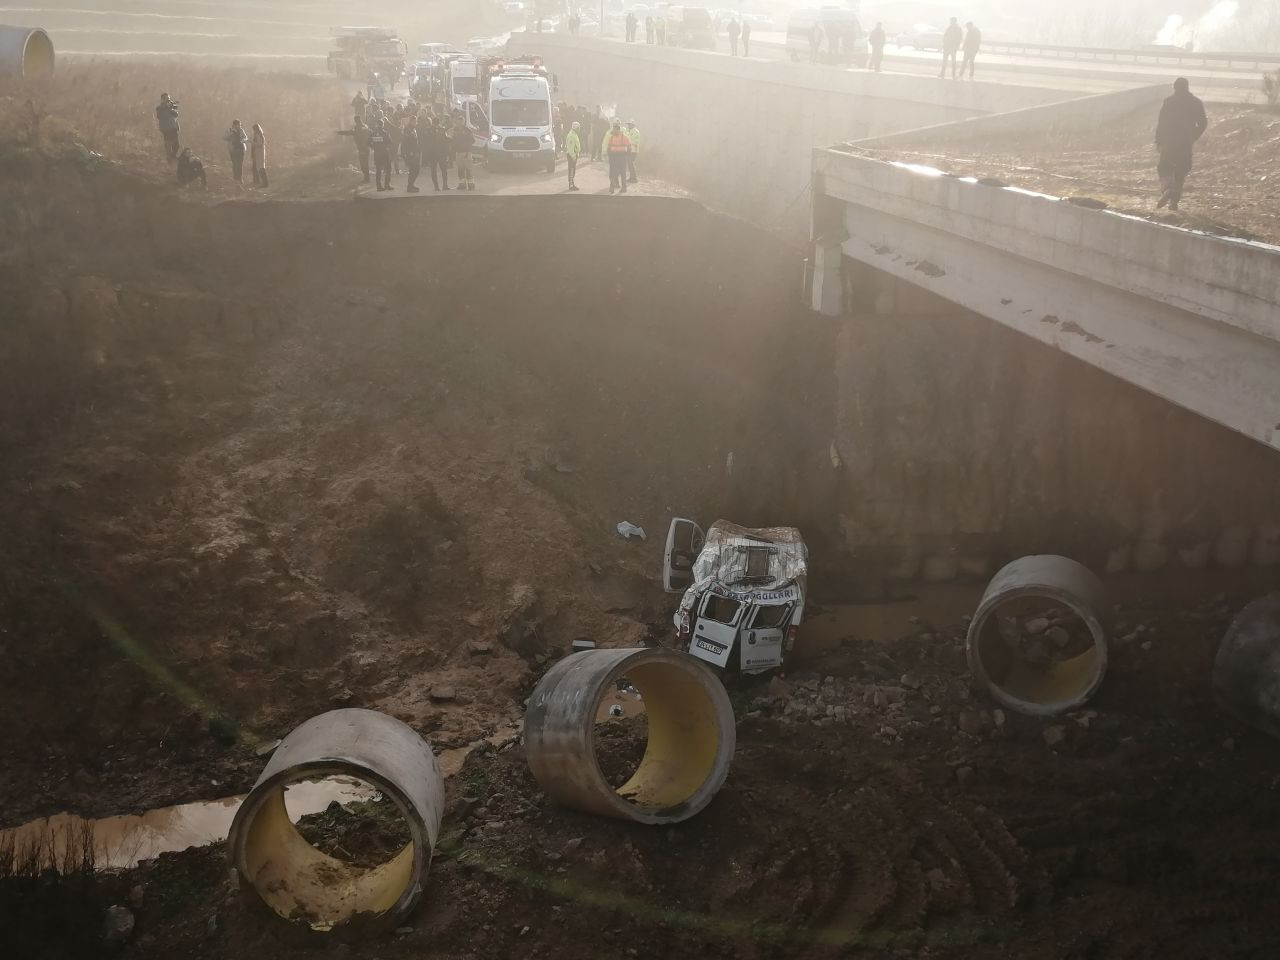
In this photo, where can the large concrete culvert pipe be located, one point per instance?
(280, 868)
(1034, 596)
(25, 53)
(690, 744)
(1246, 670)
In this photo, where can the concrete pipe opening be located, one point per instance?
(25, 52)
(1038, 640)
(327, 888)
(688, 747)
(1246, 670)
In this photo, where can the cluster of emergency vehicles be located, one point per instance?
(507, 103)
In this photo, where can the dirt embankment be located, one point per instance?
(263, 459)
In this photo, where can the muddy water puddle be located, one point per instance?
(124, 841)
(941, 604)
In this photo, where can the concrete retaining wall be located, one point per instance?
(965, 443)
(1079, 113)
(738, 132)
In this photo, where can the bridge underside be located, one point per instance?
(1191, 318)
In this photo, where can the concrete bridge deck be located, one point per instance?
(1192, 318)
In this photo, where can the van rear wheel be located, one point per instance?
(551, 164)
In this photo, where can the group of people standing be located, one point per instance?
(737, 31)
(239, 144)
(415, 134)
(620, 143)
(954, 39)
(655, 30)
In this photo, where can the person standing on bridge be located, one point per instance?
(875, 40)
(167, 121)
(573, 150)
(734, 30)
(951, 39)
(746, 37)
(632, 24)
(618, 146)
(1182, 122)
(358, 103)
(649, 33)
(972, 41)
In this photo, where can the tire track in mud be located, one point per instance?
(882, 873)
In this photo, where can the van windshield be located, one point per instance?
(466, 86)
(521, 113)
(697, 18)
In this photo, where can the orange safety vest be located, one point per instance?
(619, 143)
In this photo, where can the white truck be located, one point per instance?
(521, 117)
(744, 592)
(463, 81)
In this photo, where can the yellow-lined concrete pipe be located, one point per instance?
(25, 52)
(690, 743)
(1050, 686)
(279, 867)
(1246, 670)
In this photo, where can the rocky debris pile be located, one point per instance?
(1051, 636)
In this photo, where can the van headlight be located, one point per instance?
(495, 137)
(546, 138)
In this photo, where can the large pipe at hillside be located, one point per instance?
(25, 53)
(277, 864)
(691, 734)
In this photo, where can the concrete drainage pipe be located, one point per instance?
(279, 867)
(1246, 671)
(690, 741)
(25, 52)
(1041, 597)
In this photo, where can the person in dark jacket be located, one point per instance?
(361, 135)
(972, 41)
(1182, 122)
(435, 151)
(411, 151)
(876, 41)
(746, 38)
(380, 144)
(237, 145)
(951, 39)
(190, 170)
(167, 121)
(599, 127)
(733, 30)
(463, 141)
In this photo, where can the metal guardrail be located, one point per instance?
(1169, 55)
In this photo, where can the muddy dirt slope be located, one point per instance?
(261, 459)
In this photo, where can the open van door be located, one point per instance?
(684, 540)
